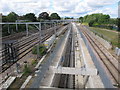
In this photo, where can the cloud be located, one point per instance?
(64, 5)
(24, 6)
(72, 8)
(82, 7)
(109, 10)
(119, 9)
(99, 3)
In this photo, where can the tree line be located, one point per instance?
(12, 17)
(29, 17)
(99, 19)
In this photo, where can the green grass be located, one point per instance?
(85, 23)
(112, 36)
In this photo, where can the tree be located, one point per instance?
(12, 17)
(118, 23)
(55, 16)
(113, 21)
(30, 16)
(69, 18)
(4, 18)
(104, 19)
(81, 19)
(91, 23)
(98, 18)
(44, 16)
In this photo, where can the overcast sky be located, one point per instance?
(71, 8)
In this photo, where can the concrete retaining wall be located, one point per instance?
(104, 42)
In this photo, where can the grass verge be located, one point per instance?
(112, 36)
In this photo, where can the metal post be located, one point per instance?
(38, 51)
(40, 32)
(26, 29)
(51, 25)
(8, 29)
(17, 69)
(57, 23)
(16, 27)
(45, 26)
(55, 28)
(39, 37)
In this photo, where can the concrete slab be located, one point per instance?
(26, 82)
(8, 82)
(87, 62)
(74, 71)
(49, 76)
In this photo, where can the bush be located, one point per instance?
(26, 69)
(91, 23)
(42, 50)
(33, 62)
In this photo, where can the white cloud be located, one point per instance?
(64, 5)
(100, 3)
(24, 6)
(110, 11)
(71, 8)
(82, 7)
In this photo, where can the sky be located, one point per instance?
(119, 9)
(65, 8)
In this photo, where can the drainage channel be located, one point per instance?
(64, 78)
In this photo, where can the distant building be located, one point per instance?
(119, 9)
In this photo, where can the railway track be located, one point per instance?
(25, 52)
(23, 40)
(24, 46)
(24, 43)
(20, 44)
(64, 78)
(110, 63)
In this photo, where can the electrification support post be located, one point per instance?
(26, 29)
(55, 28)
(38, 51)
(39, 37)
(47, 30)
(17, 69)
(8, 29)
(57, 23)
(45, 25)
(40, 32)
(16, 26)
(51, 25)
